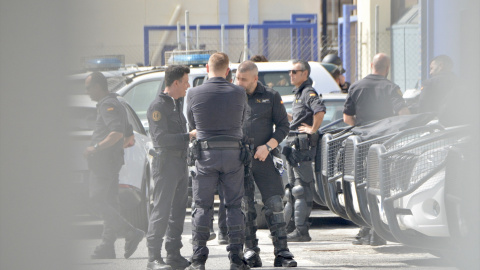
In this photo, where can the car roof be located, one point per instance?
(325, 84)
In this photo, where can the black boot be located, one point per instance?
(252, 256)
(155, 261)
(198, 263)
(237, 262)
(177, 261)
(284, 259)
(132, 239)
(297, 236)
(104, 251)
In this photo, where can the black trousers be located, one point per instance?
(167, 218)
(225, 168)
(103, 188)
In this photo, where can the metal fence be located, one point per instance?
(282, 41)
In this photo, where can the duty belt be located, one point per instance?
(169, 152)
(207, 145)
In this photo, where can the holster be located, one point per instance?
(194, 153)
(246, 152)
(288, 152)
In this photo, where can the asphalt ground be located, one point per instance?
(330, 248)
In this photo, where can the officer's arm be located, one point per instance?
(349, 119)
(317, 121)
(280, 119)
(398, 102)
(112, 138)
(349, 110)
(191, 122)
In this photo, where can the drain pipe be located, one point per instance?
(347, 9)
(157, 56)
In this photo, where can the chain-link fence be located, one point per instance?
(276, 41)
(284, 42)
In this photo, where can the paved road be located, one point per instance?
(330, 248)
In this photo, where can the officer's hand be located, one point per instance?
(192, 134)
(305, 129)
(89, 151)
(129, 141)
(261, 153)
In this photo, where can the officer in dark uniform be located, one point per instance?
(105, 159)
(438, 93)
(265, 111)
(216, 109)
(168, 129)
(371, 99)
(374, 97)
(334, 59)
(308, 111)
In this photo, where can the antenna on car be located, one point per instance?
(240, 57)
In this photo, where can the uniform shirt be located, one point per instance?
(215, 108)
(307, 103)
(265, 109)
(167, 124)
(111, 117)
(373, 98)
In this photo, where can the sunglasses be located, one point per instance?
(295, 71)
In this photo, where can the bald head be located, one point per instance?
(381, 64)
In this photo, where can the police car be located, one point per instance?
(141, 88)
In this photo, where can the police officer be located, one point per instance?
(374, 97)
(105, 159)
(265, 111)
(340, 78)
(308, 111)
(371, 99)
(216, 109)
(438, 93)
(168, 129)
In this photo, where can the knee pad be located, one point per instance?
(275, 203)
(298, 192)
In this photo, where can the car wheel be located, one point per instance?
(261, 221)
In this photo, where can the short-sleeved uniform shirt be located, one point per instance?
(111, 117)
(216, 108)
(265, 110)
(167, 124)
(373, 98)
(307, 103)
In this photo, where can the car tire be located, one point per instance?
(138, 216)
(261, 221)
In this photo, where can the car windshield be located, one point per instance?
(278, 80)
(334, 111)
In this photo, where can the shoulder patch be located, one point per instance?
(110, 109)
(399, 92)
(313, 94)
(156, 116)
(262, 100)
